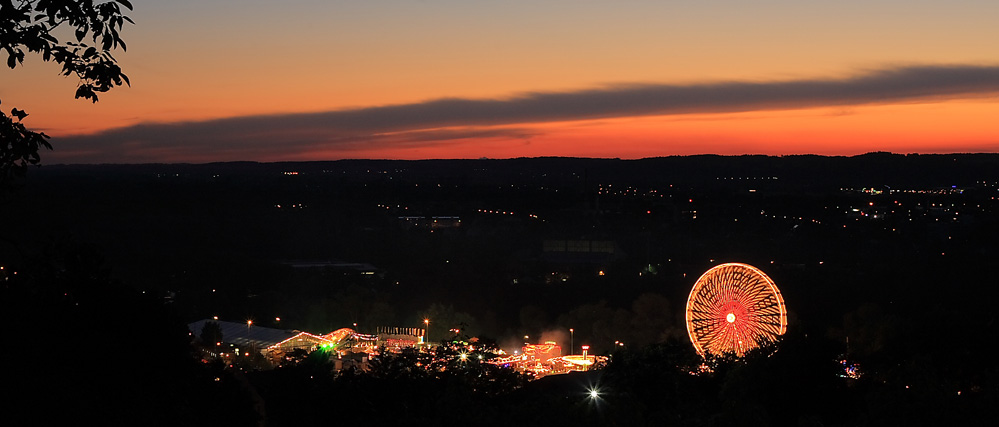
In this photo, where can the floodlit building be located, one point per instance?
(245, 334)
(395, 339)
(245, 339)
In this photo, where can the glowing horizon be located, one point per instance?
(311, 80)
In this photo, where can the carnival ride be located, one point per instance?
(336, 340)
(547, 359)
(734, 308)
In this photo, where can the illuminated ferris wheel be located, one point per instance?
(734, 308)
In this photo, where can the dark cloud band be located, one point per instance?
(225, 139)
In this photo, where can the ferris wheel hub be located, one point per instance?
(730, 318)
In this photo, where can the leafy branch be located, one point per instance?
(18, 146)
(32, 26)
(29, 26)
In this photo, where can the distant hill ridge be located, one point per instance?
(879, 168)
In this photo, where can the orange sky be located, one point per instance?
(959, 126)
(196, 61)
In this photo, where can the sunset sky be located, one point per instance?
(269, 80)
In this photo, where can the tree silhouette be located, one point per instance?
(211, 334)
(144, 365)
(34, 26)
(19, 147)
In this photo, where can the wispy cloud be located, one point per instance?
(295, 135)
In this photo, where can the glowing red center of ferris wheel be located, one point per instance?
(730, 318)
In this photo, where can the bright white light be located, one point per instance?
(730, 318)
(594, 394)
